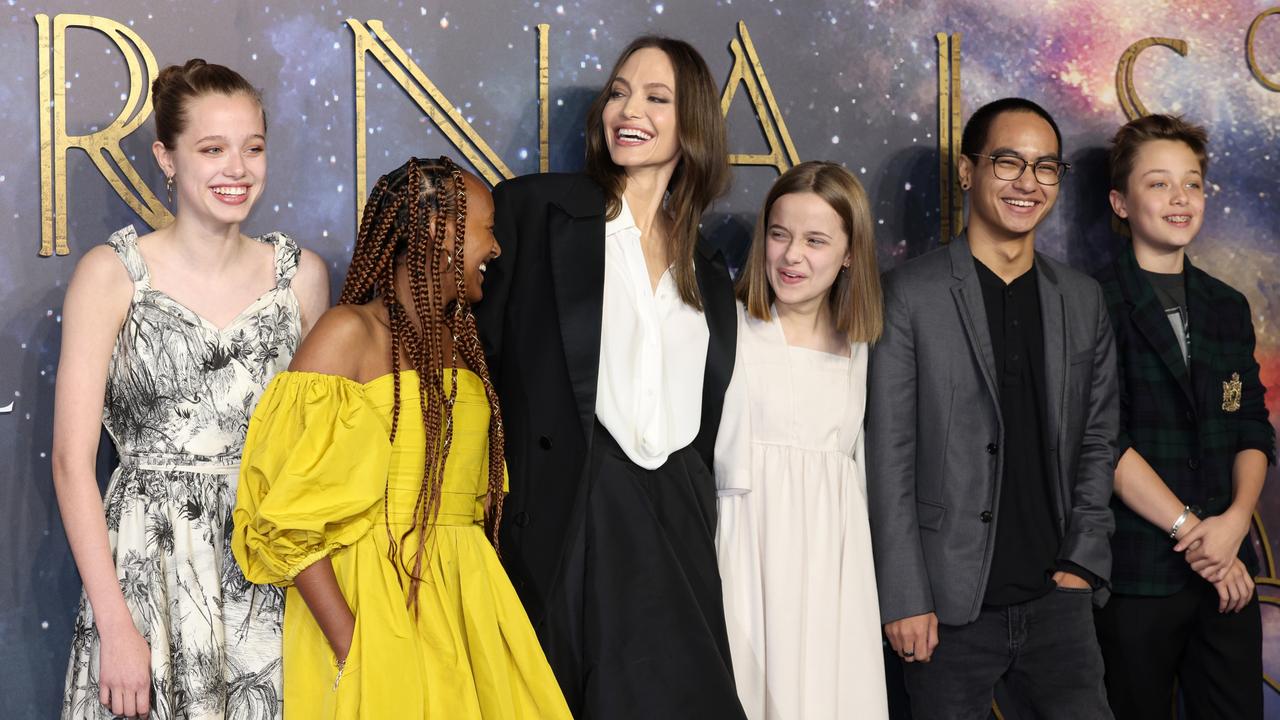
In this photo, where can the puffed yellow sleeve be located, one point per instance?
(312, 475)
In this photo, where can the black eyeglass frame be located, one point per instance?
(1062, 167)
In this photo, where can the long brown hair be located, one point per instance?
(702, 173)
(412, 213)
(855, 297)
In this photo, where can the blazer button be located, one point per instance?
(521, 519)
(985, 516)
(544, 442)
(992, 448)
(1193, 463)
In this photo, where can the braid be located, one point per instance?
(407, 218)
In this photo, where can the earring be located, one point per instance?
(168, 186)
(448, 259)
(964, 186)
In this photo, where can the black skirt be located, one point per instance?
(637, 628)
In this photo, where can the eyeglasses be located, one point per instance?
(1011, 167)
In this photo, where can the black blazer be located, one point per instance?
(540, 322)
(1187, 423)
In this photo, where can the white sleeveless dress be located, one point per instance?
(793, 539)
(178, 400)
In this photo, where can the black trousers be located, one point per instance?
(1042, 651)
(640, 632)
(1216, 658)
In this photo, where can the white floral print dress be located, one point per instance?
(178, 400)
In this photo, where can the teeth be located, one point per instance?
(631, 134)
(1178, 218)
(230, 190)
(1020, 203)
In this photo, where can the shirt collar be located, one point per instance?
(989, 278)
(625, 221)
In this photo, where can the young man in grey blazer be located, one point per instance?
(992, 421)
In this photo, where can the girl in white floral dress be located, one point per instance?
(168, 340)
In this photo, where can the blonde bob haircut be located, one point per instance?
(855, 299)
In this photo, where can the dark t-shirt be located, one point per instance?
(1171, 291)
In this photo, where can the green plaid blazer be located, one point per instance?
(1182, 422)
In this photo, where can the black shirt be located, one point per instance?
(1027, 540)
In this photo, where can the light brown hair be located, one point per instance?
(1136, 133)
(854, 298)
(702, 173)
(176, 86)
(412, 213)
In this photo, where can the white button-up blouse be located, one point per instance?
(653, 351)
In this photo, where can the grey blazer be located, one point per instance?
(934, 431)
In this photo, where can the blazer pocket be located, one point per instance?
(929, 515)
(1082, 356)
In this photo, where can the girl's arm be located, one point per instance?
(96, 303)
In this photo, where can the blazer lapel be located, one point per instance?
(1150, 319)
(575, 230)
(1054, 328)
(716, 290)
(1201, 323)
(973, 313)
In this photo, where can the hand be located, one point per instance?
(1235, 590)
(914, 638)
(1211, 544)
(124, 684)
(1065, 579)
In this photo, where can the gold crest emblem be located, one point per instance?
(1231, 393)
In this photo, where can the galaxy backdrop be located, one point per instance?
(854, 82)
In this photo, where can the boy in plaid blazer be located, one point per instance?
(1194, 446)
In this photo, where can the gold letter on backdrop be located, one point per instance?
(1125, 90)
(372, 38)
(748, 71)
(55, 143)
(951, 203)
(1252, 58)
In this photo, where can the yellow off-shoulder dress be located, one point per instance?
(316, 463)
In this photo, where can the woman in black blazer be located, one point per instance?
(610, 333)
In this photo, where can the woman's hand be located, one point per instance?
(124, 680)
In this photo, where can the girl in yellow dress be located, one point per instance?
(372, 481)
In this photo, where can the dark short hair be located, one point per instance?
(1136, 133)
(177, 85)
(979, 125)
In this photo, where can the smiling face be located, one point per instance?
(640, 122)
(1010, 209)
(480, 247)
(219, 161)
(806, 246)
(1164, 197)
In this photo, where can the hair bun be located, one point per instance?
(176, 85)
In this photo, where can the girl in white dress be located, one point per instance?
(168, 340)
(793, 540)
